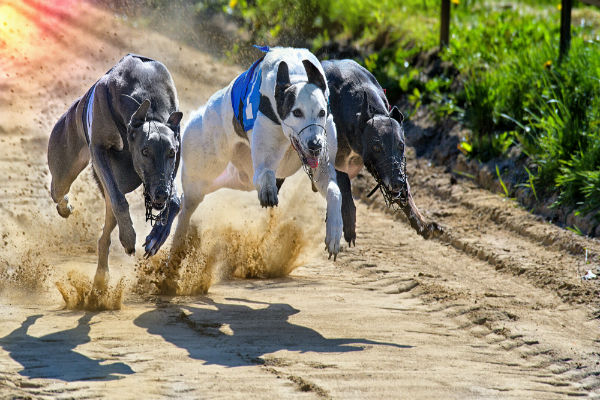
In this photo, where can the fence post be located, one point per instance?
(565, 27)
(445, 24)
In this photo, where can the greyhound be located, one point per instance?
(127, 124)
(370, 133)
(270, 121)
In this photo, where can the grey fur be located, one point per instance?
(134, 139)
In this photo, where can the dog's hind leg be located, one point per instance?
(68, 155)
(110, 222)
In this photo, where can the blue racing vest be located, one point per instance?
(245, 94)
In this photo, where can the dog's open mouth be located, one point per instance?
(156, 213)
(309, 159)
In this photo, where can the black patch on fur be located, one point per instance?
(286, 101)
(239, 129)
(314, 75)
(285, 93)
(267, 110)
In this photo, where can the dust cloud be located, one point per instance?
(238, 239)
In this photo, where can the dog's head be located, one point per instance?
(383, 148)
(302, 108)
(154, 147)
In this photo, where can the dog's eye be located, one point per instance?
(145, 152)
(297, 113)
(377, 148)
(321, 113)
(171, 153)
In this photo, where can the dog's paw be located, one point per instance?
(127, 238)
(64, 208)
(432, 230)
(333, 235)
(157, 237)
(268, 196)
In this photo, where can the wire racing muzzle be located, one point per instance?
(310, 159)
(392, 200)
(158, 217)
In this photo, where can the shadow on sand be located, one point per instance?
(250, 333)
(53, 357)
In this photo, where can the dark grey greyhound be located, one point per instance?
(369, 134)
(128, 125)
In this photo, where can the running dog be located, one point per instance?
(270, 121)
(370, 134)
(127, 124)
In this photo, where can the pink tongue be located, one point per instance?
(313, 162)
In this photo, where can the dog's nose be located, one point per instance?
(160, 196)
(314, 145)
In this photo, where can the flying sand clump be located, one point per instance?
(79, 294)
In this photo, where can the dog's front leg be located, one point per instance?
(348, 208)
(159, 233)
(326, 182)
(268, 145)
(118, 202)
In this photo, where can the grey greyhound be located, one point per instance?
(370, 133)
(127, 124)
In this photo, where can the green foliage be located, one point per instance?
(504, 188)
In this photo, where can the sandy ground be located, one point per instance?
(492, 309)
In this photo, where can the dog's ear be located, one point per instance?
(283, 78)
(365, 111)
(284, 98)
(139, 116)
(175, 118)
(314, 75)
(397, 115)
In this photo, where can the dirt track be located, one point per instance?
(492, 309)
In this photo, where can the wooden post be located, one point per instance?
(445, 24)
(565, 27)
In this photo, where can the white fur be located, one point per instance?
(214, 156)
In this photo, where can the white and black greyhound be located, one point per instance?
(268, 123)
